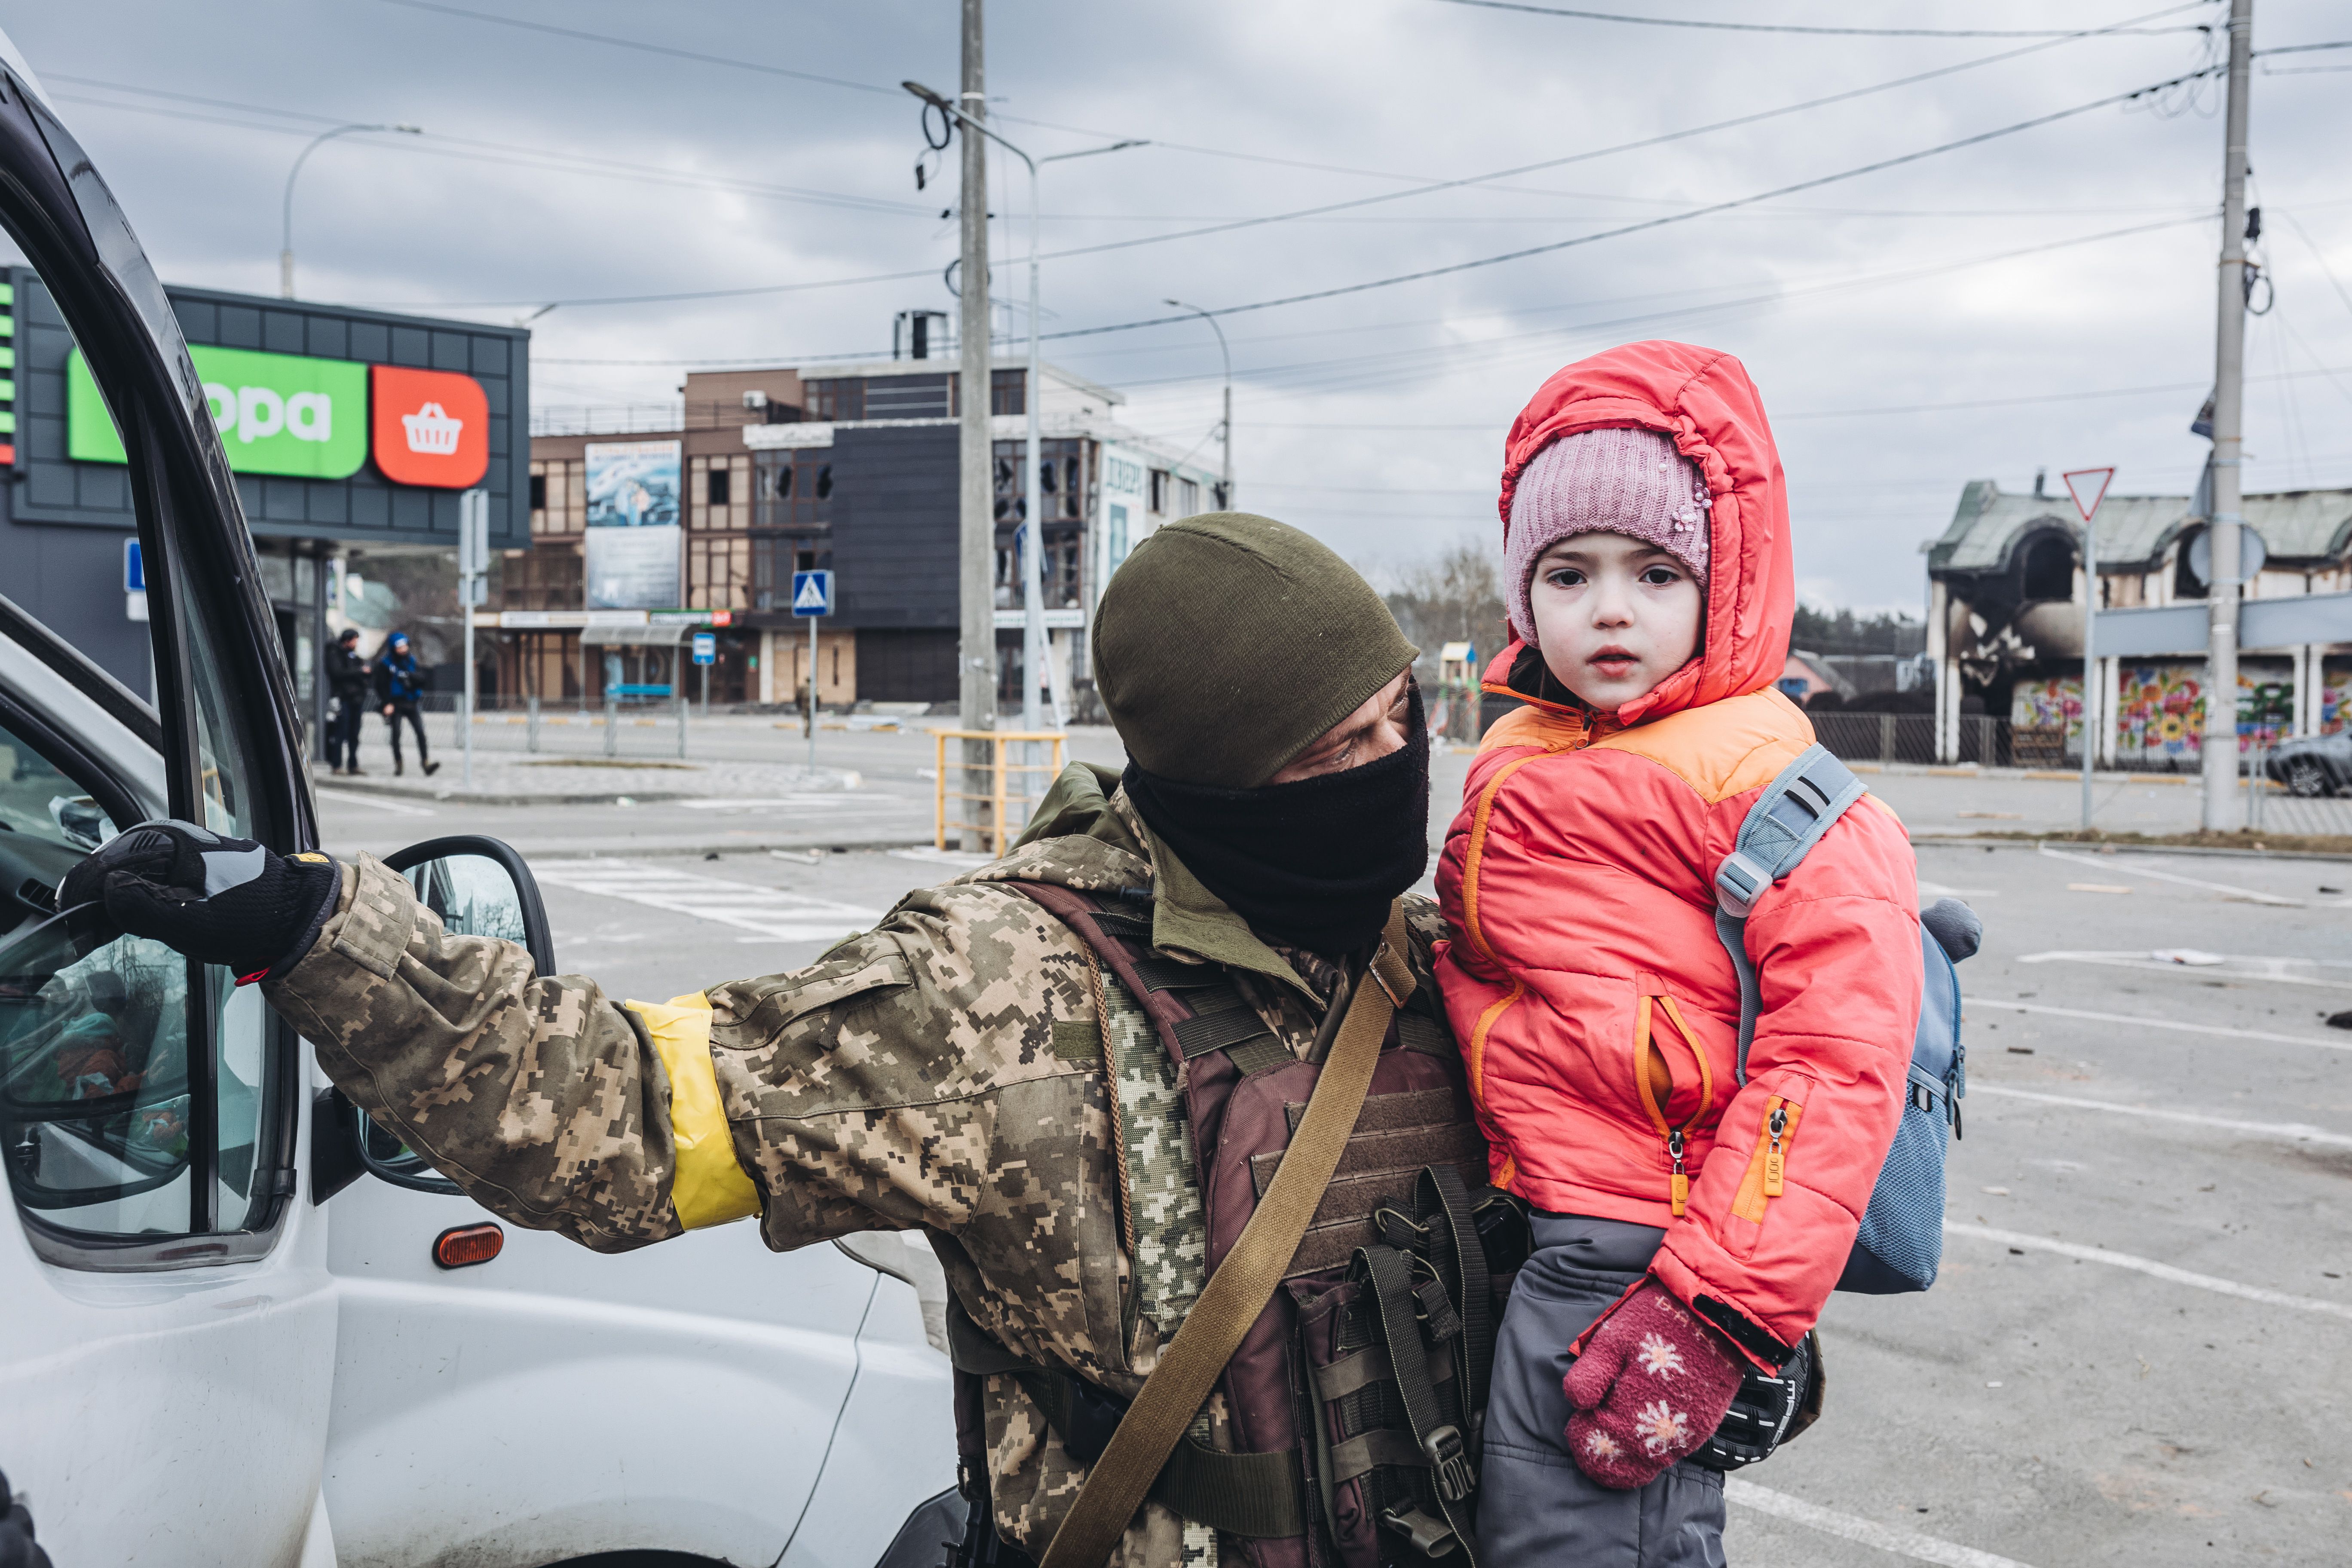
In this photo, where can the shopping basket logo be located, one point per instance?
(430, 430)
(429, 427)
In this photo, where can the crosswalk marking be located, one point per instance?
(774, 913)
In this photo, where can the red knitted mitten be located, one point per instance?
(1651, 1387)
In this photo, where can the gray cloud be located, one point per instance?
(560, 168)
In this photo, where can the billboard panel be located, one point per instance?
(634, 539)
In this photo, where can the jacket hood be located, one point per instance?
(1705, 401)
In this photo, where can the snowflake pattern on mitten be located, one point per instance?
(1651, 1385)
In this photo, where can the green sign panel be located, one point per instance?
(277, 414)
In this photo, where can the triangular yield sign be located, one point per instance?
(2088, 486)
(812, 594)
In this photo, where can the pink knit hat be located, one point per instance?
(1620, 481)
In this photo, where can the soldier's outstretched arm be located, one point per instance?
(839, 1098)
(540, 1096)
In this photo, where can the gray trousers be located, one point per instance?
(1535, 1509)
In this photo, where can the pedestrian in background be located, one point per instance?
(400, 685)
(348, 678)
(1687, 1227)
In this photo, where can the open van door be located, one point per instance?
(167, 1349)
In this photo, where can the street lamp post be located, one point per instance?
(285, 246)
(1032, 633)
(1225, 500)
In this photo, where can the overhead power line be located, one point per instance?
(1638, 145)
(1822, 32)
(728, 61)
(682, 295)
(1648, 224)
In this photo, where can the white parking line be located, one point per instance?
(398, 807)
(2271, 970)
(774, 913)
(2142, 869)
(2292, 1131)
(1854, 1527)
(2140, 1021)
(2150, 1267)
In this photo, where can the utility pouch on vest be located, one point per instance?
(1398, 1356)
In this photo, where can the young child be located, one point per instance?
(1651, 587)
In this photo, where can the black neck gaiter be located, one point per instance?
(1313, 864)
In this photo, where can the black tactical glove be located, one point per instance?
(17, 1548)
(222, 900)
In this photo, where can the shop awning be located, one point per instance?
(662, 633)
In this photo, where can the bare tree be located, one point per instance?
(1454, 597)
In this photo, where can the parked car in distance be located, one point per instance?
(2312, 765)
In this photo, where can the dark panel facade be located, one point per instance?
(906, 666)
(893, 533)
(46, 488)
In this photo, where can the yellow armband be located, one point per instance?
(707, 1186)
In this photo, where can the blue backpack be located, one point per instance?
(1902, 1236)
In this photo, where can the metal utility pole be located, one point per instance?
(2220, 743)
(1225, 425)
(286, 233)
(976, 663)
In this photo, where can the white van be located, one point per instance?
(238, 1325)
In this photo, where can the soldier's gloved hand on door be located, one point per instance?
(223, 901)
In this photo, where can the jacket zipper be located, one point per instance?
(1676, 1138)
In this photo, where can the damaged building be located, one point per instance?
(2005, 625)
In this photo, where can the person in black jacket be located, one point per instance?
(400, 684)
(347, 682)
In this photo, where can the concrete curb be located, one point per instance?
(841, 783)
(696, 851)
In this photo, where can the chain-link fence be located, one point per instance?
(2275, 805)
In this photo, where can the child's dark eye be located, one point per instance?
(1564, 577)
(1661, 577)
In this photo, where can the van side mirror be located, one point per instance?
(479, 887)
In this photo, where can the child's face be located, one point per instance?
(1614, 616)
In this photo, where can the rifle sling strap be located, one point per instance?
(1238, 1291)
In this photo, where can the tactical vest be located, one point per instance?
(1355, 1400)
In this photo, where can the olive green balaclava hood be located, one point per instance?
(1229, 642)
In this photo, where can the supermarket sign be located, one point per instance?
(314, 419)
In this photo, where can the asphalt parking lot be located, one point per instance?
(2137, 1353)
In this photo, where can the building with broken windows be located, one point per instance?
(2005, 625)
(847, 467)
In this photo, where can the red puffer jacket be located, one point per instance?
(1598, 1013)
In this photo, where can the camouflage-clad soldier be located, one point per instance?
(964, 1068)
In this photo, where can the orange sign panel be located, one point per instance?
(430, 426)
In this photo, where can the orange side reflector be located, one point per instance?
(468, 1243)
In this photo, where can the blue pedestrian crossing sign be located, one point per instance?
(812, 592)
(706, 647)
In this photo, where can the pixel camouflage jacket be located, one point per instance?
(909, 1078)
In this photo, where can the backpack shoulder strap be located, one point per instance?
(1788, 819)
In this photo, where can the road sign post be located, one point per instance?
(2089, 487)
(706, 654)
(813, 601)
(473, 581)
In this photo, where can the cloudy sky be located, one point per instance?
(2042, 299)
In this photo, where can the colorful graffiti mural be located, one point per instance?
(2160, 708)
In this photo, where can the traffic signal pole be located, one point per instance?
(2219, 746)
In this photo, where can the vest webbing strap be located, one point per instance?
(1242, 1284)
